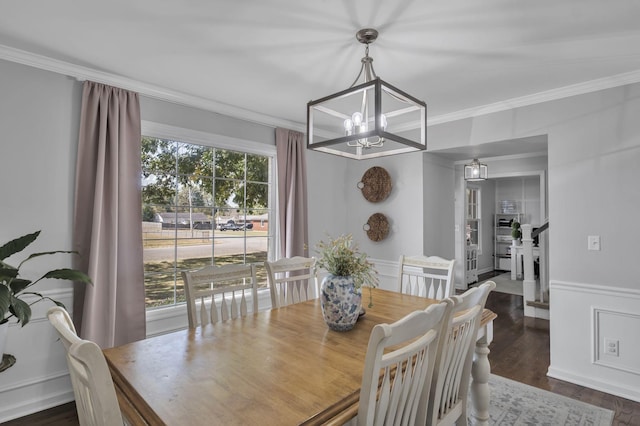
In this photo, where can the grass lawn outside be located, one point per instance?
(163, 283)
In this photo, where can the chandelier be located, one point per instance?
(475, 171)
(369, 119)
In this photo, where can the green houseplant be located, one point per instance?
(516, 233)
(341, 290)
(14, 287)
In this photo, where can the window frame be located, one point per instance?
(158, 318)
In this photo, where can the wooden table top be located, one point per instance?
(277, 367)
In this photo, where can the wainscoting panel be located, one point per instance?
(583, 316)
(387, 273)
(40, 378)
(615, 339)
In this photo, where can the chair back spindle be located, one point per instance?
(292, 280)
(426, 276)
(222, 293)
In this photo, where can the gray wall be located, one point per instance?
(39, 119)
(204, 121)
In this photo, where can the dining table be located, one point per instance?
(274, 367)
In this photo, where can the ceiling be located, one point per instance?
(271, 57)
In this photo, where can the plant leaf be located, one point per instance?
(18, 284)
(21, 310)
(8, 273)
(47, 253)
(68, 274)
(17, 245)
(5, 301)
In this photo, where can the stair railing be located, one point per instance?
(543, 269)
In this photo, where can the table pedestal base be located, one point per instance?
(480, 371)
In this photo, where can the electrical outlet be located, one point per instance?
(593, 242)
(612, 347)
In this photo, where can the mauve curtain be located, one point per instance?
(107, 220)
(292, 193)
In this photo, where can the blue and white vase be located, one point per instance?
(341, 302)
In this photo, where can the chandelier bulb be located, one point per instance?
(348, 125)
(383, 122)
(357, 118)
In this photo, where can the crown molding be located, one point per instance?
(540, 97)
(84, 73)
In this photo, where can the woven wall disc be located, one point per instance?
(375, 184)
(377, 227)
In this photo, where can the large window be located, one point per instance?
(201, 205)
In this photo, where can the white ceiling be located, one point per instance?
(272, 56)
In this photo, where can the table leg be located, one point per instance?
(480, 371)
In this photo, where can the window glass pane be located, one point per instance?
(159, 282)
(257, 168)
(228, 196)
(158, 156)
(229, 164)
(257, 196)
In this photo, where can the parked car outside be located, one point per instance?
(232, 225)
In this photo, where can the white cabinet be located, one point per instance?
(472, 264)
(502, 239)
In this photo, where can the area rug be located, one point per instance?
(517, 404)
(504, 284)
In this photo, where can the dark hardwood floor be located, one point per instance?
(520, 351)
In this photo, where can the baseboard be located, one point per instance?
(602, 386)
(485, 270)
(20, 402)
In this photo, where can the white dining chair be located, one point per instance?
(96, 400)
(426, 276)
(398, 368)
(222, 291)
(452, 373)
(292, 280)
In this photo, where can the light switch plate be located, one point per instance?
(593, 242)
